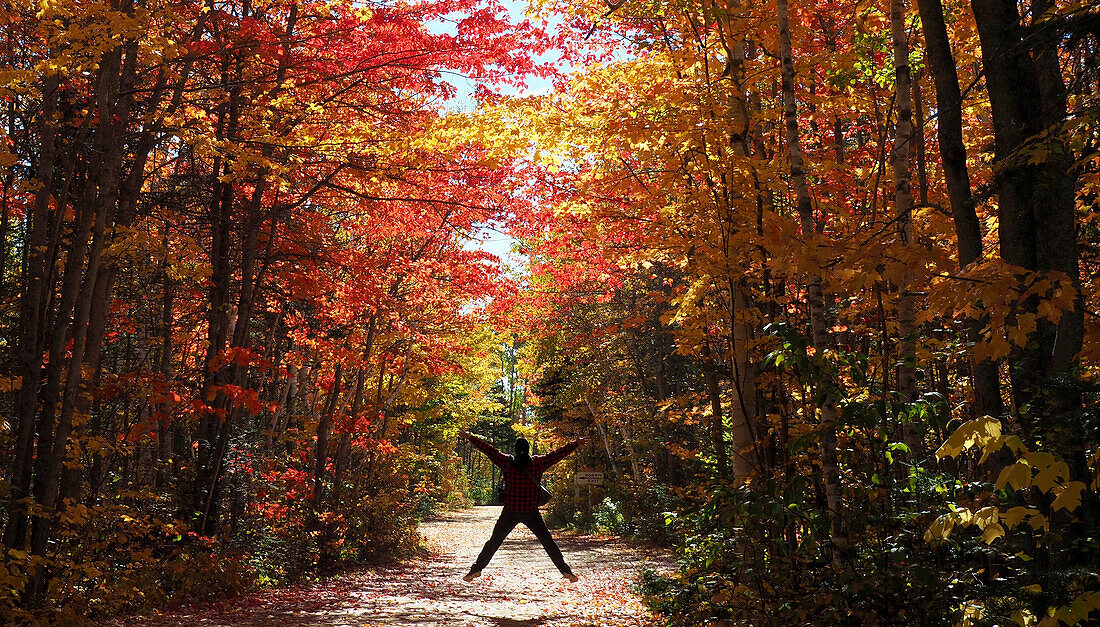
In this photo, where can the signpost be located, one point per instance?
(589, 477)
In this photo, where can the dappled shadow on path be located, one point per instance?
(520, 588)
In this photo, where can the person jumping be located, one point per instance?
(521, 476)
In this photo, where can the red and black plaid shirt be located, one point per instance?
(521, 495)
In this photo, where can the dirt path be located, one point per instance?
(520, 587)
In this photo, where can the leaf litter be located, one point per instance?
(520, 587)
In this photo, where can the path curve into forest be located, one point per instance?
(520, 587)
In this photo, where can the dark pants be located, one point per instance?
(506, 523)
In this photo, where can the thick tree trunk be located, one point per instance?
(987, 393)
(1036, 200)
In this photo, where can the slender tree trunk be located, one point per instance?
(744, 404)
(93, 356)
(164, 363)
(628, 442)
(717, 426)
(903, 199)
(602, 429)
(611, 457)
(320, 450)
(211, 431)
(830, 466)
(341, 459)
(918, 140)
(5, 224)
(33, 304)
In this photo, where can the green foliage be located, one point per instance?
(1002, 547)
(761, 555)
(1036, 510)
(608, 518)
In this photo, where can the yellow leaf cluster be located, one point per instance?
(1040, 470)
(988, 519)
(1079, 611)
(984, 432)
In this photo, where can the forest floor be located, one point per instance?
(520, 588)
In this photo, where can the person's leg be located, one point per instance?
(537, 525)
(504, 526)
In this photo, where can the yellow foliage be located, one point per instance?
(1024, 618)
(942, 527)
(992, 532)
(1079, 611)
(1017, 475)
(1069, 496)
(971, 613)
(1040, 469)
(982, 432)
(986, 516)
(1015, 515)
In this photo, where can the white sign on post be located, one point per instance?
(589, 477)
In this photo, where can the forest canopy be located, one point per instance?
(817, 280)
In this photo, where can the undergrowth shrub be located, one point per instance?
(134, 554)
(761, 557)
(115, 560)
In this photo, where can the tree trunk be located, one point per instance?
(717, 428)
(211, 431)
(320, 450)
(987, 393)
(1036, 200)
(744, 404)
(903, 199)
(611, 456)
(164, 363)
(35, 292)
(918, 140)
(602, 429)
(743, 407)
(830, 466)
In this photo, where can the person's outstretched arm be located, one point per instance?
(549, 459)
(498, 458)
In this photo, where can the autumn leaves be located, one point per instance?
(729, 166)
(234, 271)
